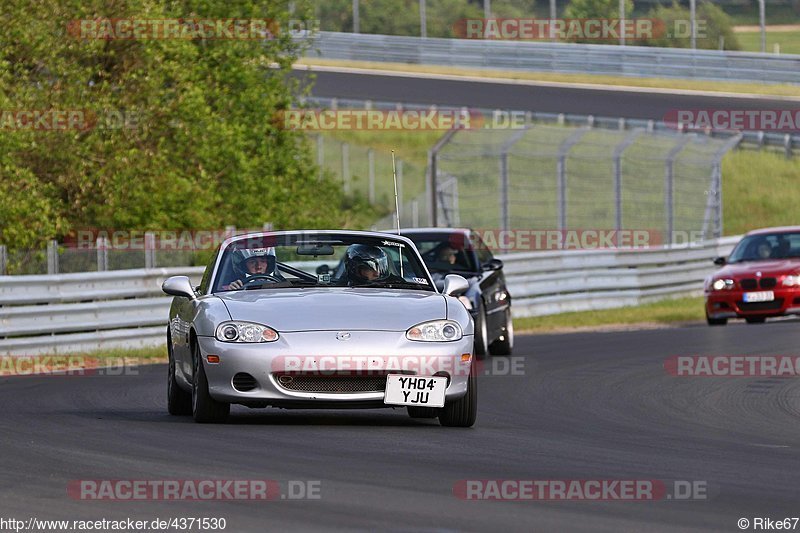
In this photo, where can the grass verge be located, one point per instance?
(585, 79)
(664, 312)
(789, 41)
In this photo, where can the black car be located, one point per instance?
(461, 251)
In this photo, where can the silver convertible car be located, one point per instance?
(320, 319)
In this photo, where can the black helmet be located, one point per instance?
(362, 257)
(240, 257)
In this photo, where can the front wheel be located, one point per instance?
(205, 408)
(716, 321)
(179, 402)
(462, 412)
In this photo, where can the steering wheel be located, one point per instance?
(268, 277)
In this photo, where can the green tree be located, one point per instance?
(712, 23)
(597, 9)
(202, 147)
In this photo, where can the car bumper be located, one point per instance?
(319, 358)
(729, 304)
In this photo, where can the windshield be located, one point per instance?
(766, 246)
(445, 252)
(319, 260)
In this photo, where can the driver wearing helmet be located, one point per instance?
(366, 264)
(250, 263)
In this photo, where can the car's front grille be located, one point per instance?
(333, 383)
(244, 382)
(749, 284)
(768, 283)
(760, 306)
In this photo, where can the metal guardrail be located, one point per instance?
(632, 61)
(101, 310)
(545, 283)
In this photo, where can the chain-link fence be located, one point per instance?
(546, 177)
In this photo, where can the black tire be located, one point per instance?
(716, 321)
(755, 319)
(462, 412)
(505, 344)
(423, 412)
(179, 402)
(481, 343)
(205, 409)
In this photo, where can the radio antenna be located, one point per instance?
(397, 211)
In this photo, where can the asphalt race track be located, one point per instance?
(587, 406)
(608, 103)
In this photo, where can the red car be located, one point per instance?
(760, 279)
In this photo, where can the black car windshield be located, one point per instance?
(764, 247)
(445, 252)
(277, 261)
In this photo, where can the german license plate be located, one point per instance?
(761, 296)
(424, 391)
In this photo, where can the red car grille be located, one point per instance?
(750, 284)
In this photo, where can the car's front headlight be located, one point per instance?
(435, 331)
(791, 281)
(722, 284)
(235, 331)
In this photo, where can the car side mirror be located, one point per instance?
(455, 285)
(179, 286)
(719, 261)
(494, 264)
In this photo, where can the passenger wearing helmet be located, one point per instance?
(253, 262)
(366, 264)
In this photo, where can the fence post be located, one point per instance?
(414, 213)
(371, 171)
(346, 167)
(430, 184)
(787, 145)
(669, 186)
(714, 201)
(618, 150)
(505, 212)
(3, 260)
(149, 250)
(102, 254)
(561, 177)
(52, 257)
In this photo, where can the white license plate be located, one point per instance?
(761, 296)
(427, 391)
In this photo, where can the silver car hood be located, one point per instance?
(335, 308)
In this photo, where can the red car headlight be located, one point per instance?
(722, 284)
(792, 280)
